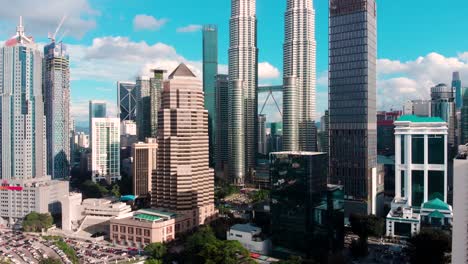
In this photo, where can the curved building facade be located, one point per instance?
(243, 64)
(299, 55)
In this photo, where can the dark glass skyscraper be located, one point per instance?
(127, 100)
(210, 70)
(222, 116)
(306, 215)
(457, 85)
(352, 100)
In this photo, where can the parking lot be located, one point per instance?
(17, 247)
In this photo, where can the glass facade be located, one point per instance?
(307, 216)
(352, 96)
(417, 188)
(417, 149)
(436, 149)
(127, 100)
(210, 70)
(436, 185)
(403, 156)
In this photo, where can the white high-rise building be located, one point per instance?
(22, 122)
(460, 210)
(105, 145)
(243, 80)
(299, 77)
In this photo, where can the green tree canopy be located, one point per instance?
(35, 222)
(156, 251)
(429, 247)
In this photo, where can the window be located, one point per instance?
(122, 229)
(417, 149)
(130, 230)
(147, 232)
(138, 231)
(436, 149)
(417, 188)
(436, 185)
(115, 228)
(403, 161)
(237, 235)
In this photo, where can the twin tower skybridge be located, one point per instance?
(270, 91)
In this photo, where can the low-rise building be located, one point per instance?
(21, 197)
(251, 238)
(148, 226)
(437, 214)
(402, 221)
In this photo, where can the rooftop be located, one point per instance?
(436, 204)
(420, 119)
(248, 228)
(161, 213)
(182, 71)
(147, 217)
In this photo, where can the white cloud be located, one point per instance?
(401, 81)
(41, 17)
(267, 71)
(189, 28)
(145, 22)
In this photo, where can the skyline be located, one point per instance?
(97, 61)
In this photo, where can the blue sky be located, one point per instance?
(420, 42)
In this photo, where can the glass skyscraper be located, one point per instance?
(22, 122)
(352, 100)
(443, 106)
(464, 119)
(210, 70)
(126, 100)
(457, 85)
(222, 115)
(57, 109)
(143, 108)
(156, 87)
(306, 215)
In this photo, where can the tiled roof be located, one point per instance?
(436, 204)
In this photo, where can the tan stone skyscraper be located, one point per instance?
(183, 181)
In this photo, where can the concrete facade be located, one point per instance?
(144, 157)
(250, 237)
(460, 216)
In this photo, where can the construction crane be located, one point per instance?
(52, 37)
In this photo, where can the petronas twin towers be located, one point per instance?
(299, 83)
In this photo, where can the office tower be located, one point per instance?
(57, 109)
(243, 100)
(385, 132)
(460, 207)
(22, 126)
(143, 107)
(105, 149)
(210, 70)
(421, 159)
(81, 140)
(156, 87)
(126, 100)
(183, 181)
(322, 136)
(418, 108)
(144, 163)
(305, 216)
(276, 137)
(299, 55)
(352, 100)
(128, 134)
(97, 109)
(464, 120)
(443, 106)
(457, 86)
(222, 116)
(262, 140)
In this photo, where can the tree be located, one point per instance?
(429, 247)
(115, 191)
(359, 248)
(35, 222)
(153, 261)
(365, 226)
(156, 251)
(50, 261)
(291, 260)
(91, 189)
